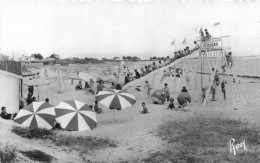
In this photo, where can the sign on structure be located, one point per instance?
(211, 45)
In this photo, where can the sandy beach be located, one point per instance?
(134, 132)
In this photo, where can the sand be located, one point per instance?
(135, 133)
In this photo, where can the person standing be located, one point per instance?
(167, 91)
(100, 86)
(46, 73)
(213, 90)
(223, 89)
(147, 85)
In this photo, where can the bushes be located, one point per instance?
(32, 133)
(84, 144)
(8, 154)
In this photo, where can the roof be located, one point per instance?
(10, 74)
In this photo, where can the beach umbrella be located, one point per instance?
(37, 115)
(157, 96)
(37, 83)
(75, 115)
(118, 99)
(86, 76)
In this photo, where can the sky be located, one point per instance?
(107, 29)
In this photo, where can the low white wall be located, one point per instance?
(9, 93)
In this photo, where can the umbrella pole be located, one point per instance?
(38, 93)
(114, 114)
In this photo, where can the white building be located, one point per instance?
(10, 91)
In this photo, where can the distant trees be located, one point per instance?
(130, 58)
(55, 56)
(37, 56)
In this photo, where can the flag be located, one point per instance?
(173, 43)
(184, 41)
(201, 29)
(217, 23)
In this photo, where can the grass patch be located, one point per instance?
(82, 144)
(41, 133)
(202, 139)
(37, 155)
(8, 154)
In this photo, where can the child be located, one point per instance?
(223, 89)
(148, 88)
(185, 107)
(96, 108)
(203, 94)
(171, 104)
(145, 110)
(167, 91)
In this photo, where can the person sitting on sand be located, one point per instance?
(34, 99)
(185, 107)
(79, 86)
(112, 86)
(127, 79)
(154, 67)
(5, 115)
(171, 104)
(97, 109)
(47, 100)
(145, 110)
(184, 89)
(137, 74)
(118, 87)
(86, 85)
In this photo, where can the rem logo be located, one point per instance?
(234, 147)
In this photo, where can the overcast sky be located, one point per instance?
(109, 29)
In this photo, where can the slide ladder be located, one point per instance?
(238, 99)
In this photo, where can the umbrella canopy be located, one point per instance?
(118, 99)
(37, 115)
(86, 76)
(38, 82)
(75, 115)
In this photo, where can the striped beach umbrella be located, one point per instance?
(37, 115)
(116, 99)
(75, 115)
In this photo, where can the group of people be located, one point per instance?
(166, 94)
(215, 83)
(146, 70)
